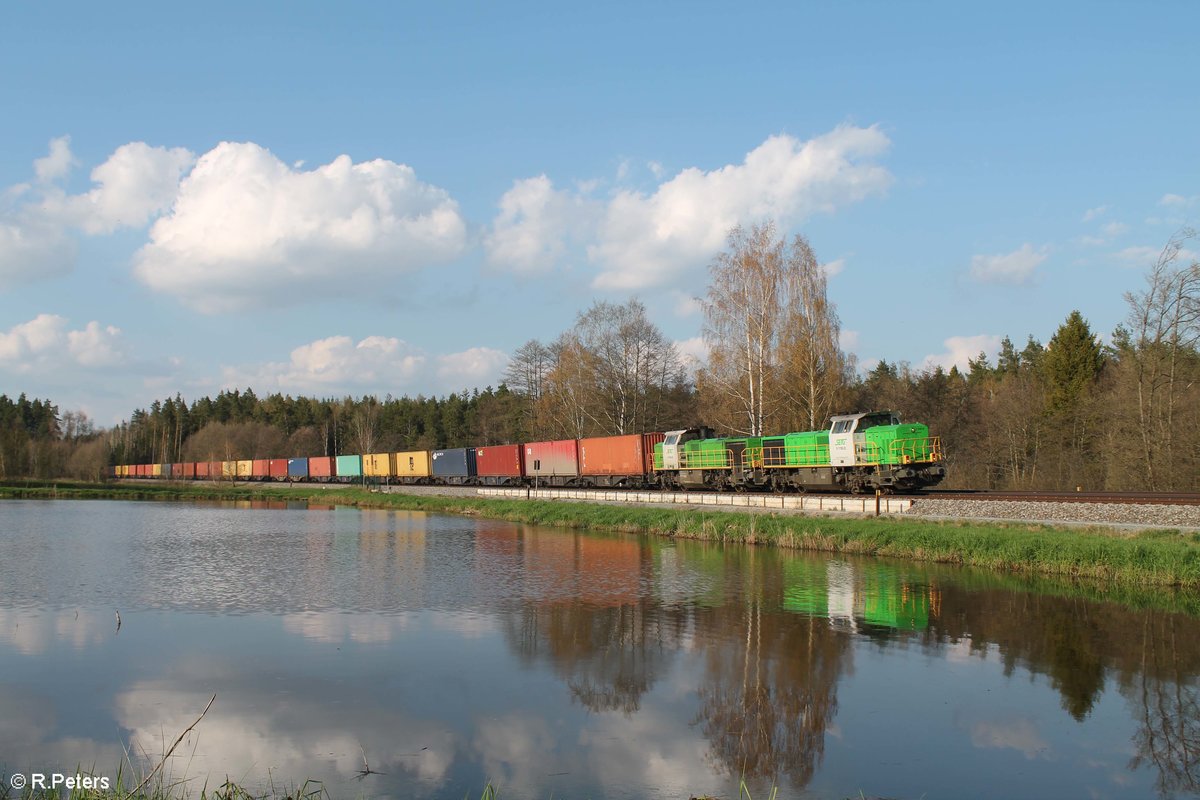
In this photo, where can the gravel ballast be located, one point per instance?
(1139, 515)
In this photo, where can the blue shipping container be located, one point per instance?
(297, 467)
(456, 463)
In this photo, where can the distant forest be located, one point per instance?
(1072, 412)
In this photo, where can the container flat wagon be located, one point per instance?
(622, 461)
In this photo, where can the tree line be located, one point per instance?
(1074, 412)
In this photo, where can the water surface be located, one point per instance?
(450, 652)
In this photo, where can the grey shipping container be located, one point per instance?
(456, 463)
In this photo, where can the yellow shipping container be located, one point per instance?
(156, 470)
(378, 465)
(412, 464)
(245, 469)
(228, 469)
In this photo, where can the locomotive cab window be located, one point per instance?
(842, 425)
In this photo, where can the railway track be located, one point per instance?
(1119, 498)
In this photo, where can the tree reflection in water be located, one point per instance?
(1164, 696)
(609, 657)
(765, 705)
(777, 632)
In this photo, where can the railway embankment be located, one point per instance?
(1123, 515)
(1167, 557)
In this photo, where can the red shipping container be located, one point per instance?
(612, 455)
(278, 468)
(551, 458)
(201, 469)
(501, 461)
(216, 470)
(186, 470)
(177, 471)
(260, 468)
(320, 467)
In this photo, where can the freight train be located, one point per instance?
(858, 453)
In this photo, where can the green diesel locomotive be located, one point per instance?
(859, 453)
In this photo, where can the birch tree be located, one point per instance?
(811, 357)
(1162, 355)
(772, 335)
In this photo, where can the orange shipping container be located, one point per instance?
(612, 455)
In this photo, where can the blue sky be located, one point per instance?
(390, 198)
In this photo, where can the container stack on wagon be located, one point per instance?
(500, 465)
(553, 463)
(413, 466)
(624, 461)
(455, 466)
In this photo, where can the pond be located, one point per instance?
(406, 654)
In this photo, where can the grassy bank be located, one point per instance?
(1159, 558)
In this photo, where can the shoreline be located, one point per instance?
(1168, 558)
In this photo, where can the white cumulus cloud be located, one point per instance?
(471, 368)
(376, 364)
(640, 239)
(33, 248)
(44, 344)
(649, 239)
(57, 163)
(248, 230)
(136, 183)
(960, 349)
(535, 225)
(1013, 268)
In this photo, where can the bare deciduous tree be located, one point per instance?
(526, 376)
(771, 332)
(1165, 332)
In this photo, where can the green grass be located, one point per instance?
(1156, 558)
